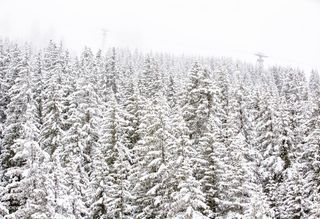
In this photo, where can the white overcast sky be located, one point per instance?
(286, 30)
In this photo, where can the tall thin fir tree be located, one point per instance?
(11, 171)
(52, 132)
(310, 157)
(187, 199)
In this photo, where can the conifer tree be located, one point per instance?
(11, 172)
(186, 199)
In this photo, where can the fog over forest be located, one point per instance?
(154, 110)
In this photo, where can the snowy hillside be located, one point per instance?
(123, 134)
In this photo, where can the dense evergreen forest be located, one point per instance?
(124, 134)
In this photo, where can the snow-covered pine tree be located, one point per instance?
(216, 149)
(52, 132)
(79, 143)
(232, 192)
(4, 86)
(196, 112)
(117, 158)
(171, 93)
(149, 79)
(291, 136)
(310, 156)
(11, 169)
(150, 154)
(111, 72)
(187, 200)
(27, 149)
(268, 157)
